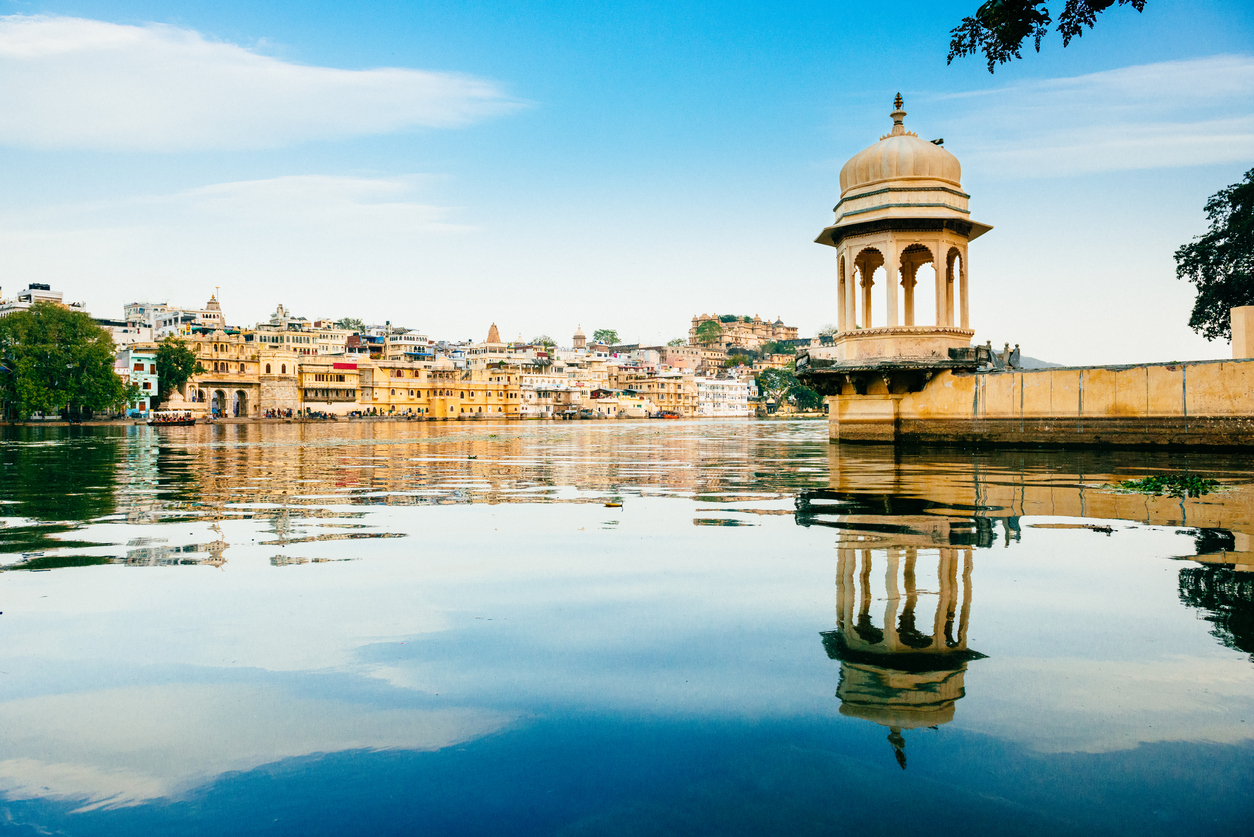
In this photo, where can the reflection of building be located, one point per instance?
(905, 672)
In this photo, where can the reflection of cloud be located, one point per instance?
(1174, 113)
(1098, 706)
(122, 746)
(74, 83)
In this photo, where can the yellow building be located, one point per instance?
(399, 388)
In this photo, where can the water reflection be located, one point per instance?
(901, 638)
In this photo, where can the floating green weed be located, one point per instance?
(1173, 485)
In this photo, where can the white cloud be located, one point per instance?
(87, 84)
(1174, 113)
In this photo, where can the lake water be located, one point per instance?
(393, 628)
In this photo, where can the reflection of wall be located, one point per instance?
(903, 654)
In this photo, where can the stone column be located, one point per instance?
(909, 279)
(962, 288)
(840, 294)
(868, 281)
(851, 293)
(939, 290)
(892, 280)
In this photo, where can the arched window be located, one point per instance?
(283, 369)
(267, 369)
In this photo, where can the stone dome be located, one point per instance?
(900, 155)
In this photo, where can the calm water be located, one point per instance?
(444, 629)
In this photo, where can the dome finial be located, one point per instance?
(899, 116)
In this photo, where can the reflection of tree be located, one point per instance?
(59, 473)
(1226, 596)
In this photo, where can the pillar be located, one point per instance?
(910, 271)
(939, 290)
(867, 283)
(851, 293)
(962, 289)
(892, 280)
(840, 295)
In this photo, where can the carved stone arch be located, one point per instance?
(915, 255)
(866, 262)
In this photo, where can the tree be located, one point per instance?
(827, 330)
(780, 385)
(709, 332)
(352, 324)
(52, 358)
(678, 341)
(999, 27)
(175, 365)
(543, 340)
(1221, 262)
(773, 347)
(608, 336)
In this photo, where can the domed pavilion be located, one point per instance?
(901, 207)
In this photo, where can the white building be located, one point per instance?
(37, 292)
(723, 397)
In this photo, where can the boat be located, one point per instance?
(171, 418)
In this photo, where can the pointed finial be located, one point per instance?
(898, 116)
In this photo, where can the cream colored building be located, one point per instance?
(741, 333)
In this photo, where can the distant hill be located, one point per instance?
(1026, 362)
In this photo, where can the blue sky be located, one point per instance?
(547, 165)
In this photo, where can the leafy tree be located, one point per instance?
(608, 336)
(748, 319)
(709, 332)
(352, 324)
(1221, 262)
(52, 358)
(678, 341)
(543, 340)
(780, 385)
(999, 27)
(772, 347)
(175, 365)
(729, 318)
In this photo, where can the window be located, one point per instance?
(283, 369)
(139, 367)
(267, 369)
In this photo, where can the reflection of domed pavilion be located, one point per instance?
(901, 207)
(905, 672)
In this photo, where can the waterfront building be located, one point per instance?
(137, 364)
(671, 391)
(437, 391)
(725, 397)
(37, 292)
(892, 373)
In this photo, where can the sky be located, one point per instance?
(544, 166)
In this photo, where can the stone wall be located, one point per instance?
(1207, 403)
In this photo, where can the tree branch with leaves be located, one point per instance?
(999, 27)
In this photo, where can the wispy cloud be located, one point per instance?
(1169, 114)
(87, 84)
